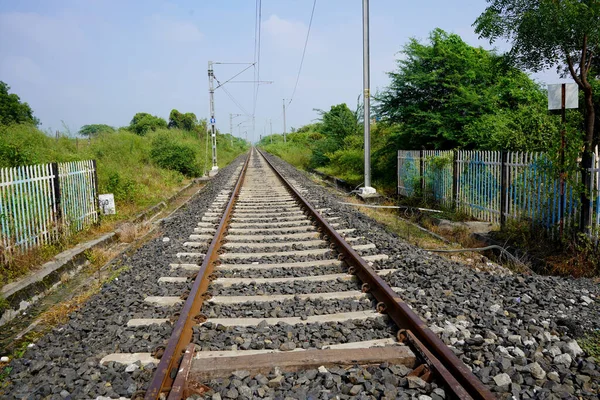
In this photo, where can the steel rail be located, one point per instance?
(450, 369)
(181, 336)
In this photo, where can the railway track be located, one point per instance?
(280, 283)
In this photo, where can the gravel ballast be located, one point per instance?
(517, 333)
(66, 361)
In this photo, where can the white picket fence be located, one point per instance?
(38, 203)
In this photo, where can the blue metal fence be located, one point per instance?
(495, 186)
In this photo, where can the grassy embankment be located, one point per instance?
(139, 170)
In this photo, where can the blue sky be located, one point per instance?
(101, 61)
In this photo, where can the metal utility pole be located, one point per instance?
(212, 128)
(231, 117)
(284, 138)
(367, 189)
(271, 123)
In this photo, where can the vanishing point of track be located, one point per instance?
(264, 216)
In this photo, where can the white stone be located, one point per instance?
(424, 397)
(586, 300)
(166, 239)
(322, 370)
(132, 367)
(503, 350)
(518, 352)
(536, 371)
(436, 329)
(554, 351)
(495, 308)
(563, 359)
(573, 349)
(516, 339)
(502, 379)
(4, 359)
(450, 329)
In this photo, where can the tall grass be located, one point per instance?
(125, 166)
(295, 151)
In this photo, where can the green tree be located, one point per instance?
(144, 122)
(95, 129)
(336, 124)
(12, 110)
(443, 88)
(550, 33)
(185, 121)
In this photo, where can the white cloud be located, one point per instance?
(284, 33)
(171, 30)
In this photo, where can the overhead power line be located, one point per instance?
(235, 76)
(304, 51)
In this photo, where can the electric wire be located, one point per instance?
(303, 51)
(231, 96)
(235, 76)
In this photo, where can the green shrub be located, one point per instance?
(168, 154)
(123, 188)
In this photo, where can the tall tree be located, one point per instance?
(12, 110)
(442, 89)
(95, 129)
(141, 123)
(179, 120)
(336, 125)
(550, 33)
(553, 33)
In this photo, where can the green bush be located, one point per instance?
(168, 154)
(123, 188)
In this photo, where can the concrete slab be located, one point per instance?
(185, 267)
(301, 264)
(163, 301)
(146, 321)
(252, 245)
(130, 358)
(172, 279)
(295, 253)
(226, 282)
(338, 317)
(351, 294)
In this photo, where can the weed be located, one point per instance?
(4, 304)
(590, 343)
(125, 168)
(59, 313)
(128, 232)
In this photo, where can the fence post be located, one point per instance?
(57, 196)
(454, 179)
(421, 172)
(503, 188)
(96, 193)
(586, 215)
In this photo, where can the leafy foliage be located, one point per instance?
(142, 123)
(168, 154)
(185, 121)
(549, 33)
(95, 129)
(12, 110)
(447, 94)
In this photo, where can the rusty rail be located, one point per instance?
(181, 336)
(448, 367)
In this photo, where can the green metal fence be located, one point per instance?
(38, 203)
